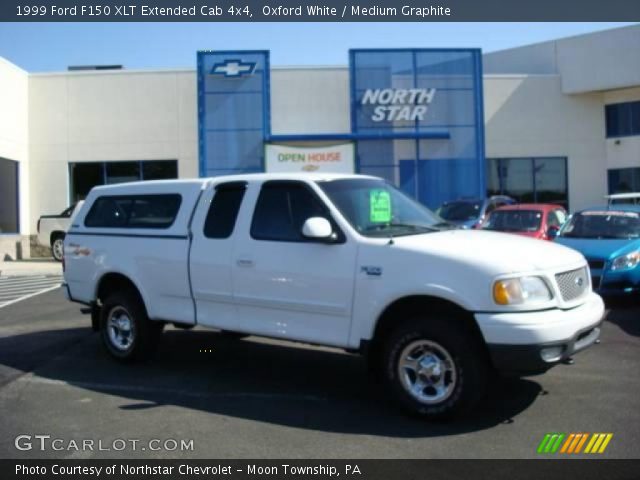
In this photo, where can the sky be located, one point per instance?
(41, 47)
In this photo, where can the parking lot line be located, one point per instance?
(16, 289)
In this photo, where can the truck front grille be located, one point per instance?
(573, 284)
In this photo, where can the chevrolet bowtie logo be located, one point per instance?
(233, 68)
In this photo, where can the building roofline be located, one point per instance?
(560, 39)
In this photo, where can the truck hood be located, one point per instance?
(500, 253)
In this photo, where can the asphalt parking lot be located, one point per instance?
(256, 398)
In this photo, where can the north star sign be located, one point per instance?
(395, 104)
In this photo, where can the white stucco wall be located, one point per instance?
(14, 129)
(530, 116)
(601, 61)
(107, 116)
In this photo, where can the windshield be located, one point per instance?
(603, 224)
(514, 221)
(460, 211)
(377, 209)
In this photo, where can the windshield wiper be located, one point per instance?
(379, 228)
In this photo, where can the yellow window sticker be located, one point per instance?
(379, 206)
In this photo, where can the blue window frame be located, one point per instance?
(622, 119)
(436, 156)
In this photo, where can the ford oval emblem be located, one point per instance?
(579, 281)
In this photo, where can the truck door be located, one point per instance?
(211, 257)
(286, 285)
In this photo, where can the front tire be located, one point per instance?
(57, 248)
(125, 329)
(435, 368)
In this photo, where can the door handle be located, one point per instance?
(244, 262)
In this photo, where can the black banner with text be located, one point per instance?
(316, 11)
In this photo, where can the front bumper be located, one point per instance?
(533, 342)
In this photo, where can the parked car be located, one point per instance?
(471, 212)
(535, 220)
(609, 237)
(52, 229)
(345, 261)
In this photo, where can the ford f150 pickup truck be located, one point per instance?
(346, 261)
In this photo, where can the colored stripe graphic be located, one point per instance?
(573, 443)
(550, 443)
(598, 443)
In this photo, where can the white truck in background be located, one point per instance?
(53, 228)
(346, 261)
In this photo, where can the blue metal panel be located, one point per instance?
(448, 140)
(233, 111)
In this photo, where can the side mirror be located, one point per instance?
(317, 228)
(552, 231)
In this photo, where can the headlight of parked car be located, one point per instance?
(625, 262)
(523, 290)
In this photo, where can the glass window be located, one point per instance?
(122, 172)
(514, 221)
(610, 224)
(529, 180)
(85, 176)
(622, 119)
(282, 209)
(159, 170)
(551, 180)
(139, 211)
(8, 196)
(555, 218)
(224, 209)
(624, 180)
(377, 209)
(460, 210)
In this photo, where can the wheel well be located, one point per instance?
(409, 307)
(117, 282)
(54, 236)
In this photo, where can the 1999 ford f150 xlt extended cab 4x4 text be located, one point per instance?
(340, 260)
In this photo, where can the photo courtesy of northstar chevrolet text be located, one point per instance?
(227, 242)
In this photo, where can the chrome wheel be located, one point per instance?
(121, 329)
(57, 249)
(427, 371)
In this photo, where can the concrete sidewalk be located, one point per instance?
(27, 268)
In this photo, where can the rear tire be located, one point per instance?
(434, 367)
(126, 331)
(57, 247)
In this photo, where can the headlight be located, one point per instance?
(626, 262)
(517, 291)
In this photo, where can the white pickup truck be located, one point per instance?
(341, 260)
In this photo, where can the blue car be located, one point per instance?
(609, 238)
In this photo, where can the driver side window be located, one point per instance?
(281, 210)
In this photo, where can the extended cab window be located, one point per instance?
(134, 211)
(224, 209)
(282, 209)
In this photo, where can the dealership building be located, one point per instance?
(551, 122)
